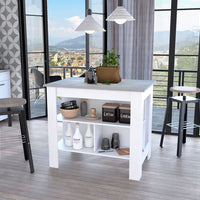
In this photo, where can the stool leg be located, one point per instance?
(9, 118)
(26, 146)
(180, 130)
(165, 122)
(23, 134)
(185, 130)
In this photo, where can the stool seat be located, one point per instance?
(12, 102)
(184, 89)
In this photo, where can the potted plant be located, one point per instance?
(108, 72)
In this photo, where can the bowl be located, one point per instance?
(69, 113)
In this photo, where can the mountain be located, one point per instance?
(161, 41)
(76, 43)
(79, 42)
(183, 38)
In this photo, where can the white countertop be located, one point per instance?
(124, 85)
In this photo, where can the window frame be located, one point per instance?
(172, 54)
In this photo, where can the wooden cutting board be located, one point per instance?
(123, 151)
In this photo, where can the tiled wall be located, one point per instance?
(10, 44)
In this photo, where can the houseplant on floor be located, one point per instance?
(109, 71)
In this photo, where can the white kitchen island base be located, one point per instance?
(136, 92)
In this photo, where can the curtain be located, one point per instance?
(133, 41)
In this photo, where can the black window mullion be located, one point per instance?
(87, 38)
(24, 58)
(46, 41)
(197, 106)
(172, 45)
(105, 27)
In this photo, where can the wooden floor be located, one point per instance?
(85, 177)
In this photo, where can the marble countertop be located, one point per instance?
(124, 85)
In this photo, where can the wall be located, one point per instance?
(10, 44)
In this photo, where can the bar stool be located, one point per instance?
(9, 106)
(183, 124)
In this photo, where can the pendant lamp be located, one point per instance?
(120, 15)
(89, 25)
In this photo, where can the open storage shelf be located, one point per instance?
(82, 120)
(90, 151)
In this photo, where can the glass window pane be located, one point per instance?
(186, 63)
(36, 79)
(188, 3)
(96, 5)
(34, 34)
(37, 102)
(187, 35)
(98, 18)
(160, 62)
(77, 72)
(96, 60)
(184, 77)
(96, 42)
(34, 7)
(159, 100)
(96, 39)
(161, 32)
(162, 4)
(35, 59)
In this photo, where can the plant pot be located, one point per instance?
(108, 74)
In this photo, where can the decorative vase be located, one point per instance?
(83, 107)
(105, 145)
(108, 74)
(89, 139)
(77, 138)
(69, 136)
(115, 143)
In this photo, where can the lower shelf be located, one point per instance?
(90, 151)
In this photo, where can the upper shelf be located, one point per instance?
(82, 120)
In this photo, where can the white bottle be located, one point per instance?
(77, 138)
(69, 136)
(89, 138)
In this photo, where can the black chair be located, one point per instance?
(10, 106)
(39, 81)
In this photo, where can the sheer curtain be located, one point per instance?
(133, 41)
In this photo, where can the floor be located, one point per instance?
(85, 177)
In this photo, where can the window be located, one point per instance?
(97, 40)
(52, 47)
(176, 52)
(71, 52)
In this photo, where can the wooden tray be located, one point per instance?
(123, 151)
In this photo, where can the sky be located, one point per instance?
(64, 16)
(186, 20)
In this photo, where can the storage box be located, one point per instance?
(110, 112)
(124, 113)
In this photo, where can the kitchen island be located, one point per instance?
(136, 135)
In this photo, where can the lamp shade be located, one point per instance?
(89, 25)
(120, 15)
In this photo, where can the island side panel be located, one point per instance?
(52, 127)
(136, 136)
(149, 121)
